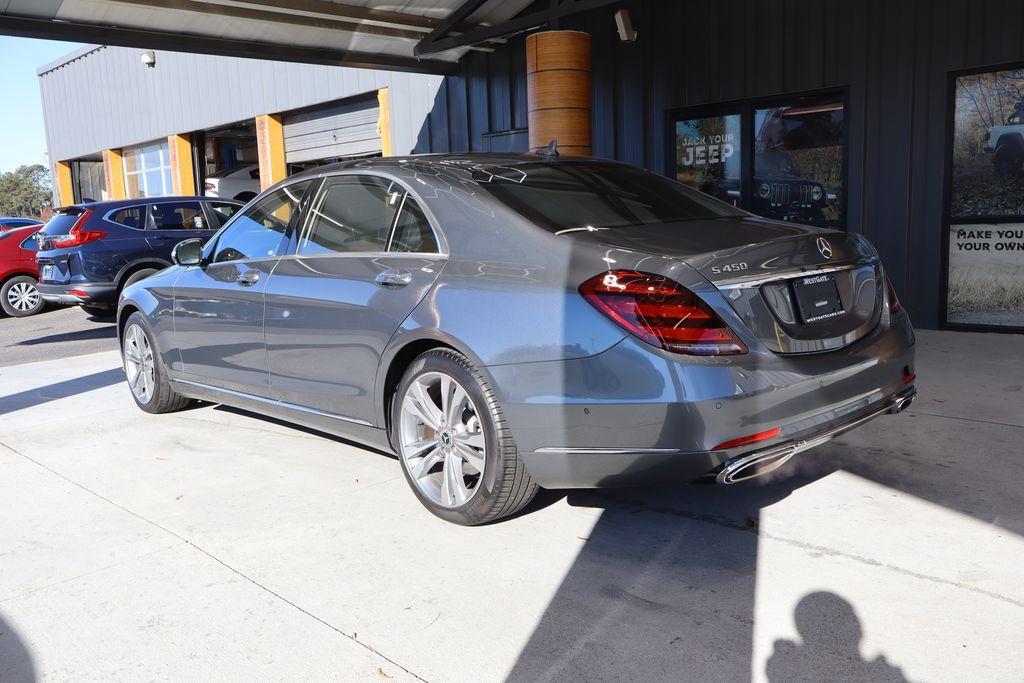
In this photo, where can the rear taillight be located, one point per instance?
(890, 294)
(77, 235)
(661, 312)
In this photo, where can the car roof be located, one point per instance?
(477, 158)
(117, 203)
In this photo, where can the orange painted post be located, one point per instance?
(183, 179)
(558, 90)
(65, 189)
(270, 145)
(384, 123)
(113, 174)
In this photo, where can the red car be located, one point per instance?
(19, 273)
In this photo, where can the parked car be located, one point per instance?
(1006, 143)
(89, 252)
(8, 223)
(241, 183)
(503, 322)
(781, 191)
(19, 276)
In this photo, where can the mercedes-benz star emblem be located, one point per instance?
(824, 247)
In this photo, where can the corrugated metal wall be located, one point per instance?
(893, 56)
(108, 99)
(344, 129)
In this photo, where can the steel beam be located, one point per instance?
(183, 42)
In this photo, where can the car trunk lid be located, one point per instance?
(799, 290)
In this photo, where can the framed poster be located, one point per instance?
(984, 226)
(782, 157)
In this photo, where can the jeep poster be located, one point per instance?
(988, 145)
(708, 155)
(985, 284)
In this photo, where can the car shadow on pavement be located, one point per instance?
(59, 390)
(104, 332)
(16, 665)
(664, 589)
(300, 428)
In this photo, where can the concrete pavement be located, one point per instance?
(214, 543)
(57, 332)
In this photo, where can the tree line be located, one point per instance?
(26, 192)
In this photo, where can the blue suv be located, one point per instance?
(89, 252)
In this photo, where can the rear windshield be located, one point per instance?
(595, 196)
(60, 224)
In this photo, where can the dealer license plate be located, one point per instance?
(818, 298)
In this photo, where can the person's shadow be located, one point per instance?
(830, 635)
(16, 664)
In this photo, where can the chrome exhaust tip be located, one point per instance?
(901, 404)
(752, 465)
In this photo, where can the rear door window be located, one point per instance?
(351, 214)
(412, 230)
(31, 243)
(132, 217)
(222, 211)
(178, 216)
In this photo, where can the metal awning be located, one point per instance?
(356, 33)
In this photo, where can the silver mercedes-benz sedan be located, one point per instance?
(503, 322)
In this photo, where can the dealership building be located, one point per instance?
(899, 120)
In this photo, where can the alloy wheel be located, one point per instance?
(139, 365)
(442, 443)
(23, 296)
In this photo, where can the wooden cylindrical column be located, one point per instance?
(558, 90)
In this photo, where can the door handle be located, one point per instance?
(393, 278)
(248, 278)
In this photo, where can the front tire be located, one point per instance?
(1007, 160)
(453, 443)
(146, 374)
(20, 298)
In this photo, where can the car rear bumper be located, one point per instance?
(89, 294)
(633, 415)
(554, 467)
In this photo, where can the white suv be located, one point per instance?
(241, 183)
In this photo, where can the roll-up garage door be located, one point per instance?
(347, 128)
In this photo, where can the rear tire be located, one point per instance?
(20, 298)
(474, 432)
(148, 382)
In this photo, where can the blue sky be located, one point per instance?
(22, 140)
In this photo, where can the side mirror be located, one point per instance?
(188, 252)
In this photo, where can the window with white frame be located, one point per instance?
(147, 170)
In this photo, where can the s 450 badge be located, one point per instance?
(729, 268)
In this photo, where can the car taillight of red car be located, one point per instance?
(661, 312)
(77, 235)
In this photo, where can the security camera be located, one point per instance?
(624, 24)
(148, 58)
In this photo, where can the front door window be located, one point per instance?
(261, 230)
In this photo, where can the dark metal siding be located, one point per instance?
(892, 57)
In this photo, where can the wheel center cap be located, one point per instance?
(446, 439)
